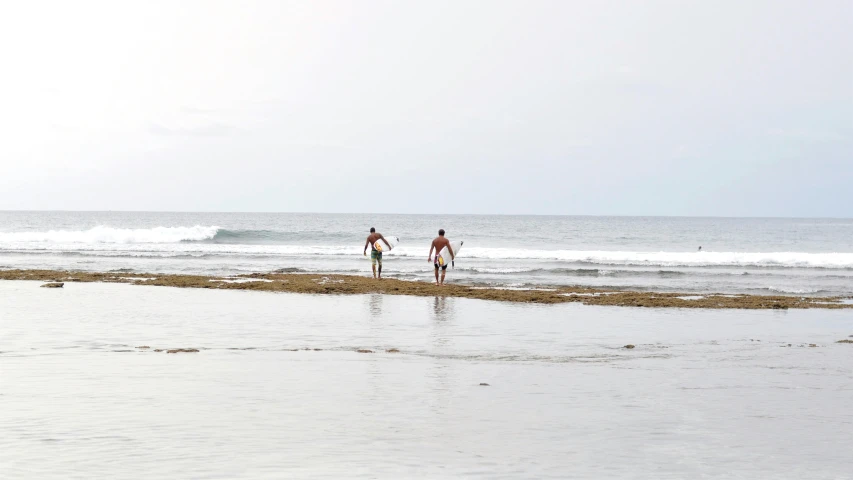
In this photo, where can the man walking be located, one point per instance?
(375, 255)
(438, 244)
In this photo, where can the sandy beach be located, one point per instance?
(351, 284)
(392, 386)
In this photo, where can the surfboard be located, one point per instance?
(386, 246)
(444, 256)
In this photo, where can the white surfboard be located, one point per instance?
(386, 246)
(444, 257)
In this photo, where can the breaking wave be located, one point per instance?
(201, 240)
(672, 259)
(103, 234)
(197, 234)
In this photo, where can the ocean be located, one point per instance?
(796, 256)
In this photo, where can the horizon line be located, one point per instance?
(427, 214)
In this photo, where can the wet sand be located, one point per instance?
(350, 284)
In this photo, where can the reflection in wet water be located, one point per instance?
(442, 308)
(439, 375)
(703, 393)
(375, 304)
(441, 330)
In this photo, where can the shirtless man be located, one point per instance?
(375, 255)
(439, 243)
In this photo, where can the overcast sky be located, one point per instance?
(741, 108)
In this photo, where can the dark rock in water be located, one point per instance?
(845, 341)
(779, 306)
(158, 349)
(812, 345)
(53, 285)
(485, 385)
(392, 350)
(144, 346)
(628, 346)
(364, 350)
(182, 350)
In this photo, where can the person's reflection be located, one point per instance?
(440, 376)
(441, 309)
(375, 305)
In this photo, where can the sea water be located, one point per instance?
(278, 388)
(738, 255)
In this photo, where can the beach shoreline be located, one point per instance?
(334, 284)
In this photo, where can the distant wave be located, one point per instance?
(242, 236)
(651, 259)
(200, 234)
(104, 234)
(275, 237)
(788, 290)
(671, 259)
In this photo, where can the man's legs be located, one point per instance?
(373, 263)
(436, 274)
(443, 273)
(379, 261)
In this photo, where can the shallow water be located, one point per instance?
(703, 394)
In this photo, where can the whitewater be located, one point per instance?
(738, 255)
(187, 240)
(104, 234)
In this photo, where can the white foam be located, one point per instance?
(104, 234)
(660, 259)
(673, 259)
(170, 241)
(800, 291)
(494, 270)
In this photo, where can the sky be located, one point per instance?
(716, 108)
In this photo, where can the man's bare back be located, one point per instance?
(439, 243)
(373, 237)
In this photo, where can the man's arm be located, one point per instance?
(381, 237)
(431, 247)
(366, 243)
(450, 249)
